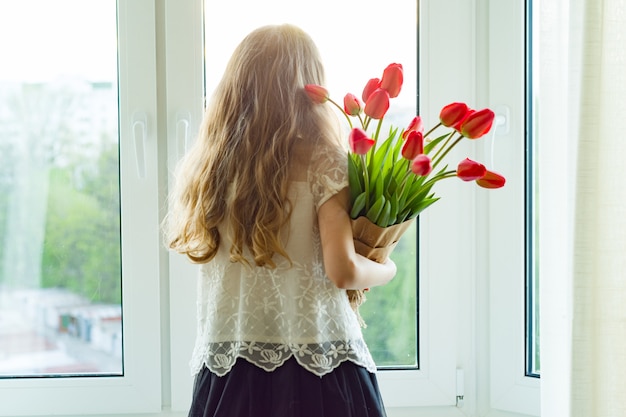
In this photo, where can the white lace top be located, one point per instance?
(268, 315)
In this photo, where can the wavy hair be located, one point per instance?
(238, 171)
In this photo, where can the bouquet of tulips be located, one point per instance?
(392, 175)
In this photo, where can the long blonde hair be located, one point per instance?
(258, 116)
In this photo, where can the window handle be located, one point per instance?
(182, 132)
(140, 132)
(501, 126)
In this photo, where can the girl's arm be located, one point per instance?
(346, 268)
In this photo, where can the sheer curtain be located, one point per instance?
(582, 206)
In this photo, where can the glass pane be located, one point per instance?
(533, 365)
(352, 54)
(60, 273)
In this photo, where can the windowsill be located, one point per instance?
(391, 412)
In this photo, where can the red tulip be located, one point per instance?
(491, 180)
(457, 125)
(371, 86)
(377, 104)
(421, 165)
(392, 79)
(453, 113)
(469, 170)
(477, 124)
(352, 105)
(359, 142)
(317, 93)
(414, 145)
(415, 125)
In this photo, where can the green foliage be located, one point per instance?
(390, 310)
(82, 240)
(382, 186)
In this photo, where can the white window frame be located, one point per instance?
(139, 390)
(476, 54)
(511, 390)
(433, 384)
(184, 54)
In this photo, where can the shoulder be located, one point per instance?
(328, 171)
(327, 157)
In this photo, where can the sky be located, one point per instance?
(357, 38)
(44, 39)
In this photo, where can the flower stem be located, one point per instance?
(342, 111)
(361, 120)
(366, 122)
(366, 181)
(432, 130)
(442, 147)
(448, 149)
(405, 180)
(380, 123)
(442, 176)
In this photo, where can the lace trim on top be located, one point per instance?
(319, 359)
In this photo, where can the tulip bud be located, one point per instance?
(415, 125)
(477, 124)
(317, 93)
(392, 79)
(453, 113)
(377, 104)
(351, 105)
(491, 180)
(371, 86)
(359, 142)
(414, 145)
(421, 165)
(469, 170)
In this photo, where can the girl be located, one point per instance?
(261, 203)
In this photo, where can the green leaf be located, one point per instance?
(407, 190)
(433, 143)
(427, 202)
(358, 206)
(400, 168)
(415, 199)
(388, 168)
(355, 177)
(402, 216)
(374, 212)
(377, 163)
(392, 186)
(393, 212)
(383, 218)
(397, 149)
(378, 187)
(386, 152)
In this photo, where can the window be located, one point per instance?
(471, 286)
(60, 266)
(79, 320)
(511, 215)
(434, 382)
(449, 308)
(454, 285)
(533, 358)
(390, 312)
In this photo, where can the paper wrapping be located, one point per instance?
(375, 242)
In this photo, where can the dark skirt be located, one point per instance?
(288, 391)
